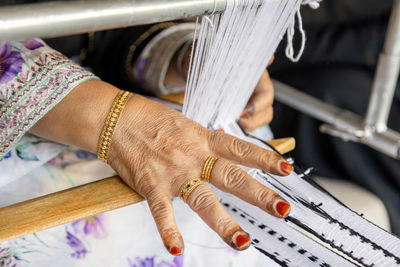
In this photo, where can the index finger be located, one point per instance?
(248, 154)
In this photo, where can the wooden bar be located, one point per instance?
(79, 202)
(283, 145)
(176, 98)
(65, 206)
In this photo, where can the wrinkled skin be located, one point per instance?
(156, 149)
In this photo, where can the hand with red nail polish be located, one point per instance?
(286, 167)
(242, 241)
(170, 154)
(155, 149)
(282, 208)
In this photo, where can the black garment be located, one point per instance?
(344, 39)
(106, 53)
(103, 52)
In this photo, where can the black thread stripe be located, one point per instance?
(317, 209)
(271, 232)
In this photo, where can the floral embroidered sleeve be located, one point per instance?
(33, 79)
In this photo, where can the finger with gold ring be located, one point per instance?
(207, 168)
(188, 186)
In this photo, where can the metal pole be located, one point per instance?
(54, 19)
(305, 103)
(342, 123)
(349, 123)
(386, 76)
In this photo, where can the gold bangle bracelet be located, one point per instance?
(111, 122)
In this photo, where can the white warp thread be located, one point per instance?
(290, 34)
(232, 51)
(314, 4)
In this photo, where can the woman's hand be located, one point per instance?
(156, 149)
(259, 110)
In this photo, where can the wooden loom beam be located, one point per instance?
(65, 206)
(79, 202)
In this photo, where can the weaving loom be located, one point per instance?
(317, 213)
(232, 51)
(350, 240)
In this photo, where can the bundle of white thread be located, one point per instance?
(231, 52)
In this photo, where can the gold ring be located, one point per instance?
(188, 186)
(207, 168)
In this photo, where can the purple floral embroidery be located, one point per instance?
(91, 226)
(10, 63)
(147, 262)
(83, 154)
(150, 262)
(33, 44)
(13, 133)
(77, 245)
(58, 161)
(177, 262)
(6, 156)
(6, 258)
(10, 128)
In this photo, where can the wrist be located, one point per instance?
(79, 118)
(111, 123)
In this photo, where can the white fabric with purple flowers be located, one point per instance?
(33, 79)
(30, 153)
(123, 237)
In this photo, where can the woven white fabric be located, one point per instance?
(232, 51)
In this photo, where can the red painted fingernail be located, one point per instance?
(286, 168)
(241, 240)
(244, 114)
(282, 207)
(220, 130)
(175, 251)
